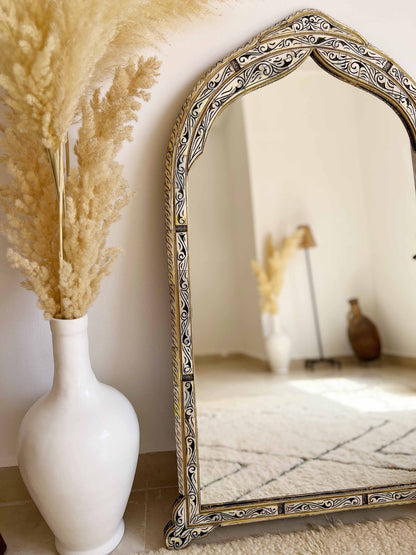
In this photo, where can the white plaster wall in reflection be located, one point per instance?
(213, 268)
(391, 208)
(243, 232)
(305, 165)
(318, 152)
(224, 298)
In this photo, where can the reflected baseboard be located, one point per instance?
(252, 361)
(398, 360)
(232, 360)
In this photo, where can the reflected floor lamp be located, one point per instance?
(308, 242)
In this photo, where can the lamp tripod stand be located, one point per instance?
(308, 241)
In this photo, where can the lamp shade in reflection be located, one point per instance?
(308, 240)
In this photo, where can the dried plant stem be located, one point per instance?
(56, 159)
(67, 160)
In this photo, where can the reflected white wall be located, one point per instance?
(391, 208)
(319, 152)
(221, 236)
(305, 164)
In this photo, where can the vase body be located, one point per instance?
(277, 343)
(363, 334)
(78, 449)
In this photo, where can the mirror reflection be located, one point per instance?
(302, 229)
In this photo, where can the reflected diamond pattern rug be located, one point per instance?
(307, 435)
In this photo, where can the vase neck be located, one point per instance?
(73, 372)
(272, 324)
(276, 323)
(355, 307)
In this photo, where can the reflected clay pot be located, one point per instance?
(363, 334)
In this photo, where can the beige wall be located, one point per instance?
(318, 151)
(306, 169)
(242, 215)
(213, 257)
(391, 208)
(221, 236)
(130, 337)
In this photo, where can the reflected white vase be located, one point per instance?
(277, 343)
(78, 449)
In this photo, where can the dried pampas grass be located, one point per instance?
(49, 50)
(270, 277)
(54, 58)
(146, 26)
(54, 51)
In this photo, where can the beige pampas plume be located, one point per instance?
(49, 52)
(52, 51)
(147, 26)
(270, 276)
(96, 189)
(54, 58)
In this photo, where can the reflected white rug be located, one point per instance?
(305, 436)
(395, 537)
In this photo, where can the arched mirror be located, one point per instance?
(291, 220)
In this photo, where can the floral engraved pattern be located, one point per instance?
(323, 504)
(177, 533)
(184, 305)
(391, 496)
(234, 514)
(270, 56)
(301, 22)
(374, 78)
(276, 66)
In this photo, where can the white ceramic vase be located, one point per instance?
(78, 449)
(277, 343)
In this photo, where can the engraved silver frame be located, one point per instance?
(269, 56)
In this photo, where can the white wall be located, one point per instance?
(221, 237)
(306, 149)
(212, 251)
(318, 151)
(305, 165)
(130, 337)
(391, 208)
(242, 214)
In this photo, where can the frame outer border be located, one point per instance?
(353, 61)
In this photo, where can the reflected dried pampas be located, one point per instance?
(270, 277)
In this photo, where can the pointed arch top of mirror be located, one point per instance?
(270, 56)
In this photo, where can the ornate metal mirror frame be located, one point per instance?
(271, 55)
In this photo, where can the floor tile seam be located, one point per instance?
(16, 503)
(146, 507)
(153, 488)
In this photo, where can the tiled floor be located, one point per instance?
(150, 506)
(147, 513)
(25, 531)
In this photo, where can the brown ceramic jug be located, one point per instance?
(363, 334)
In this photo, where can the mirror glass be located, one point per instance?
(271, 299)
